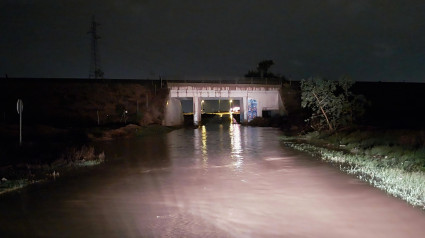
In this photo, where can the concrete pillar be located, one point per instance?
(245, 108)
(242, 110)
(196, 110)
(259, 109)
(173, 113)
(282, 109)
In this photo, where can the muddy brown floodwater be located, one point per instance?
(215, 181)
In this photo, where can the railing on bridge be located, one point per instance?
(228, 80)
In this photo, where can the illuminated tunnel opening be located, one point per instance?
(213, 111)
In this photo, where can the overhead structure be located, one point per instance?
(254, 98)
(95, 70)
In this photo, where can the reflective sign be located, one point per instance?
(19, 106)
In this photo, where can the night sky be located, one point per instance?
(368, 40)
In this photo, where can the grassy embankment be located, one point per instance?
(46, 153)
(42, 163)
(54, 154)
(62, 117)
(128, 131)
(392, 160)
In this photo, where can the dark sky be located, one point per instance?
(368, 40)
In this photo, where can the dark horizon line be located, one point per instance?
(190, 79)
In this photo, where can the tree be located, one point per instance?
(332, 103)
(264, 66)
(262, 70)
(354, 104)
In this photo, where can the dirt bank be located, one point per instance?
(62, 116)
(82, 102)
(57, 151)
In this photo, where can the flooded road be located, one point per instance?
(215, 181)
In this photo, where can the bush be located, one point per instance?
(77, 154)
(260, 121)
(331, 103)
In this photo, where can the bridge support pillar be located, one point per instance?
(196, 111)
(244, 109)
(173, 113)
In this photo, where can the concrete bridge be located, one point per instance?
(253, 99)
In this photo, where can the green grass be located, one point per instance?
(389, 160)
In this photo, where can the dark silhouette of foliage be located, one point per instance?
(264, 66)
(262, 72)
(332, 103)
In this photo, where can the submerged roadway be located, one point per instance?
(215, 181)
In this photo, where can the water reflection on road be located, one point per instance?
(214, 181)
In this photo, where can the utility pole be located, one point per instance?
(95, 71)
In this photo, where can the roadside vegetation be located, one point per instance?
(51, 152)
(331, 103)
(128, 131)
(29, 170)
(390, 159)
(60, 125)
(274, 121)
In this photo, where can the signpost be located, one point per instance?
(20, 108)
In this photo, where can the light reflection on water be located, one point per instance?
(225, 140)
(236, 145)
(214, 181)
(204, 148)
(249, 175)
(234, 138)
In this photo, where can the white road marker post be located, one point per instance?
(20, 108)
